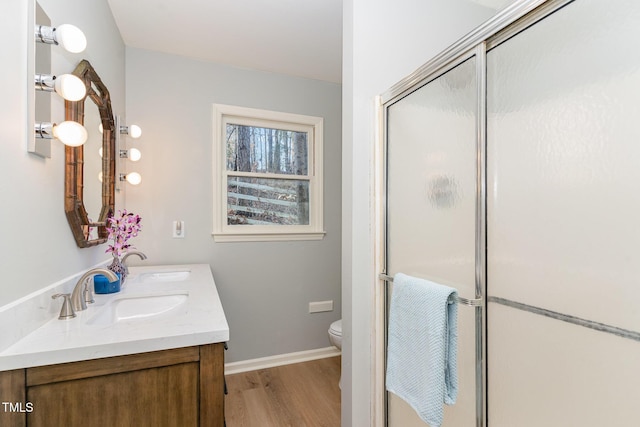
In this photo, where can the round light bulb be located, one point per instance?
(70, 87)
(71, 38)
(135, 131)
(134, 154)
(100, 152)
(134, 178)
(100, 176)
(100, 128)
(70, 133)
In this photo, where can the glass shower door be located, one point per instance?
(563, 156)
(431, 211)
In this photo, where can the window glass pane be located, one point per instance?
(256, 201)
(266, 150)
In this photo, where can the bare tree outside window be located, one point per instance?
(267, 200)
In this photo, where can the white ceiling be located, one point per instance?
(294, 37)
(493, 4)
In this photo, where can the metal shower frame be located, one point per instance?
(510, 21)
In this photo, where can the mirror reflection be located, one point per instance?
(92, 167)
(89, 176)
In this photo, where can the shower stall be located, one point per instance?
(510, 169)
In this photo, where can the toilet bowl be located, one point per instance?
(335, 334)
(335, 338)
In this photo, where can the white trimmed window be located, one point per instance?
(267, 175)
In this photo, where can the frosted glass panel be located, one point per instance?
(546, 373)
(564, 163)
(431, 214)
(563, 211)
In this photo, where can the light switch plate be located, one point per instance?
(178, 229)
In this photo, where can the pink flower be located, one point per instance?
(121, 229)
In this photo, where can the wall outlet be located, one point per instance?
(320, 306)
(178, 229)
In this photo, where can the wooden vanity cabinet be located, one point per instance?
(178, 387)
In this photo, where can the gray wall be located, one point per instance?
(265, 287)
(37, 247)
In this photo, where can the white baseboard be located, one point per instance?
(279, 360)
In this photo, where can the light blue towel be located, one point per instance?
(422, 347)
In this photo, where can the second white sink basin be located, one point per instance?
(141, 306)
(165, 276)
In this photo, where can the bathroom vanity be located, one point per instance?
(152, 354)
(179, 387)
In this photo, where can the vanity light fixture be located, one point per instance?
(133, 131)
(68, 86)
(68, 132)
(133, 178)
(69, 36)
(132, 154)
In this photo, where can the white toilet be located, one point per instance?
(335, 337)
(335, 334)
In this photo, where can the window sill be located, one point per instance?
(267, 237)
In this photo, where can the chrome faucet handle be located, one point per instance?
(79, 295)
(87, 293)
(66, 312)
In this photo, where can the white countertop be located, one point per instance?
(200, 320)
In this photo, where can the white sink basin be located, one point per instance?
(165, 276)
(141, 306)
(142, 317)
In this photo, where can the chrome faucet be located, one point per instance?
(82, 292)
(127, 255)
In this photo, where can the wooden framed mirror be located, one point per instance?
(89, 194)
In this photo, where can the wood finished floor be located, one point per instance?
(298, 395)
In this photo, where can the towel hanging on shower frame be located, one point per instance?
(458, 299)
